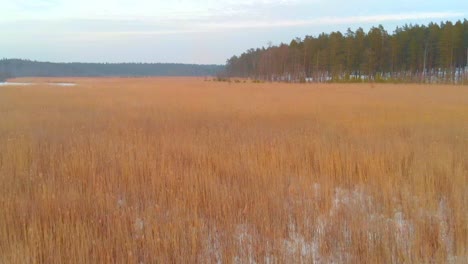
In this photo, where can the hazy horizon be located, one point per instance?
(189, 32)
(105, 62)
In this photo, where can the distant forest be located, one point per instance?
(10, 68)
(436, 53)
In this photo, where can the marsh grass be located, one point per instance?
(182, 171)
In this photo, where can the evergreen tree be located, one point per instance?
(432, 53)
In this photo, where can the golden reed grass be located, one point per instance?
(182, 170)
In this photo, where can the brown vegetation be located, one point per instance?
(186, 170)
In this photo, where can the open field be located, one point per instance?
(186, 170)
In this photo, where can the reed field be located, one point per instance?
(188, 170)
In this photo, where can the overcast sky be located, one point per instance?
(203, 31)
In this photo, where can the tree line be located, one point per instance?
(10, 68)
(435, 53)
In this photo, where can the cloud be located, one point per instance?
(16, 10)
(98, 29)
(108, 28)
(36, 5)
(333, 20)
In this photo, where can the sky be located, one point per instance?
(183, 31)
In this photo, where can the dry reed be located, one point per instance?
(181, 170)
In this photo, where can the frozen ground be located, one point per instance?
(333, 230)
(27, 84)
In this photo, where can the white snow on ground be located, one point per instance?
(212, 248)
(62, 84)
(296, 246)
(445, 233)
(245, 245)
(27, 84)
(351, 203)
(14, 84)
